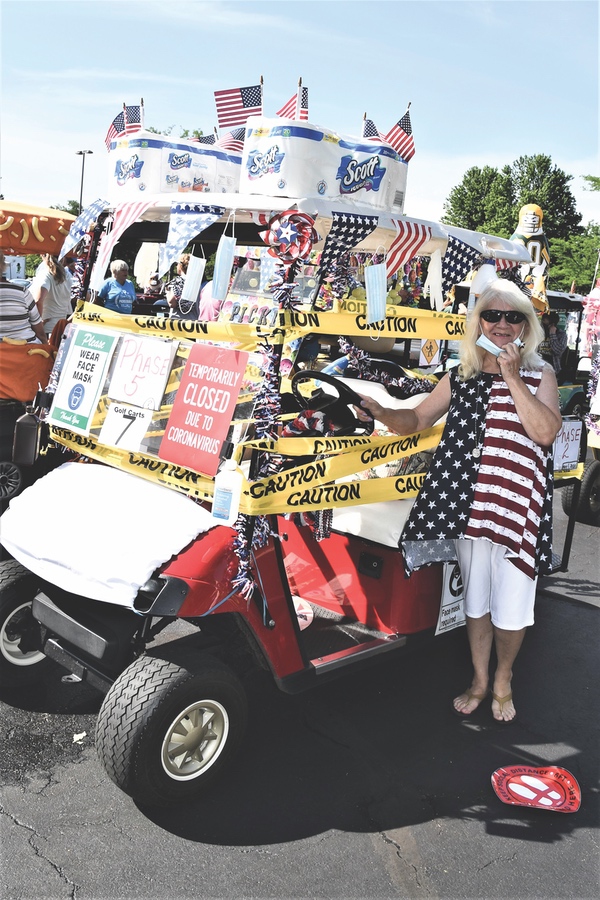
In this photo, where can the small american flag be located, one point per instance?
(288, 110)
(401, 139)
(407, 243)
(234, 106)
(370, 131)
(233, 140)
(125, 214)
(117, 126)
(133, 119)
(205, 139)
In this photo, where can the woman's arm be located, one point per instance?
(39, 295)
(409, 421)
(539, 413)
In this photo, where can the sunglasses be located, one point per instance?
(512, 316)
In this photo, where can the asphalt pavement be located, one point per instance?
(368, 787)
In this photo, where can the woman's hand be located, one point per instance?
(369, 409)
(509, 361)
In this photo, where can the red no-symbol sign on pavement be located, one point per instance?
(203, 408)
(551, 787)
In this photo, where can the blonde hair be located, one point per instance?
(54, 267)
(184, 261)
(118, 265)
(501, 290)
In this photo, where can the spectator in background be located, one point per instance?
(76, 268)
(19, 316)
(118, 292)
(555, 341)
(51, 290)
(180, 308)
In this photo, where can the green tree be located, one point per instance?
(593, 182)
(536, 180)
(489, 200)
(184, 133)
(483, 196)
(573, 260)
(32, 261)
(71, 206)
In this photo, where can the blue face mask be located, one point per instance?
(223, 265)
(376, 286)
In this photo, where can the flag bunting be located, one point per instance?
(186, 221)
(458, 260)
(125, 214)
(409, 239)
(347, 230)
(82, 224)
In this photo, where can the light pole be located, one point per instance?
(82, 154)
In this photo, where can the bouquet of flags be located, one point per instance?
(236, 105)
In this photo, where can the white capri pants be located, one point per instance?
(492, 584)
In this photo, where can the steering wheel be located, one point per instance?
(336, 407)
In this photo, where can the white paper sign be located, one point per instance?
(566, 445)
(125, 426)
(141, 370)
(452, 614)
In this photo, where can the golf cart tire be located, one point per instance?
(588, 508)
(157, 706)
(11, 480)
(17, 589)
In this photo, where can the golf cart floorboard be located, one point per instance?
(331, 633)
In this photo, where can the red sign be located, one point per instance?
(203, 408)
(550, 787)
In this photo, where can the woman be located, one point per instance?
(51, 290)
(118, 293)
(487, 498)
(180, 308)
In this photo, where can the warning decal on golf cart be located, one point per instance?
(203, 408)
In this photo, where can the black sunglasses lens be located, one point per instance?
(494, 315)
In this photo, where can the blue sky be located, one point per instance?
(488, 81)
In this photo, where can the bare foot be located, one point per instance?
(503, 708)
(467, 703)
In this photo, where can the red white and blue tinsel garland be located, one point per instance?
(267, 411)
(362, 361)
(592, 421)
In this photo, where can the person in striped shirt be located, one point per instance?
(19, 316)
(487, 499)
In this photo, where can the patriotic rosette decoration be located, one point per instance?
(290, 236)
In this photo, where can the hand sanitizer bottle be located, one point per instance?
(228, 491)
